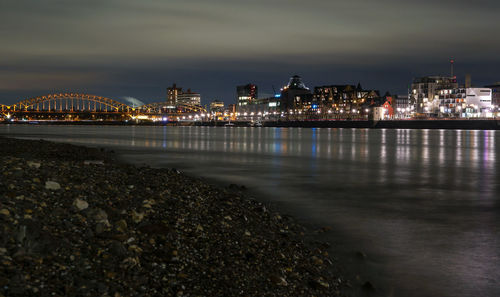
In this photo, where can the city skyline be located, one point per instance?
(124, 49)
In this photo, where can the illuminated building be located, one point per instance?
(466, 102)
(176, 96)
(425, 92)
(189, 97)
(172, 93)
(295, 95)
(345, 98)
(495, 96)
(402, 105)
(246, 94)
(216, 105)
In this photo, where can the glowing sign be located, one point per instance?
(272, 104)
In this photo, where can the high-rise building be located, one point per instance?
(425, 92)
(246, 94)
(172, 94)
(175, 96)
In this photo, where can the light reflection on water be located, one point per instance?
(423, 204)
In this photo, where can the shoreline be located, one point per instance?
(100, 226)
(451, 124)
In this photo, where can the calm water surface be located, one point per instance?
(423, 205)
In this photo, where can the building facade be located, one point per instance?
(175, 96)
(466, 102)
(172, 94)
(425, 92)
(189, 97)
(246, 94)
(495, 96)
(295, 96)
(344, 99)
(402, 106)
(216, 106)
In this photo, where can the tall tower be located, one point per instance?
(246, 94)
(172, 93)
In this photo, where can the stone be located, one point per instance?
(34, 164)
(319, 283)
(100, 228)
(99, 215)
(121, 225)
(117, 249)
(80, 204)
(317, 261)
(278, 280)
(52, 185)
(137, 216)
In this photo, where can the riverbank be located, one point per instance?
(76, 222)
(453, 124)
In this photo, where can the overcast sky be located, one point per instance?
(120, 48)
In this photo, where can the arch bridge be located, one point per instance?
(70, 102)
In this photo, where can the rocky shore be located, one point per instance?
(75, 222)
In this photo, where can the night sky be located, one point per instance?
(130, 48)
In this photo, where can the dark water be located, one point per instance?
(424, 205)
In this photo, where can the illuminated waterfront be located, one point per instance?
(422, 204)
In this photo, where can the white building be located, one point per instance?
(465, 102)
(379, 113)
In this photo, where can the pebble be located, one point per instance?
(80, 204)
(34, 164)
(278, 280)
(137, 216)
(52, 185)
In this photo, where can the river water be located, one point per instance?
(422, 205)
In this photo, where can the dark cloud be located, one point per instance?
(138, 48)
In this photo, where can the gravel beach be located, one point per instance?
(76, 222)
